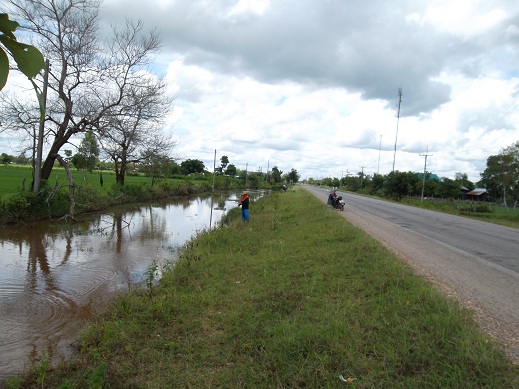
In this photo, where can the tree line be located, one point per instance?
(500, 178)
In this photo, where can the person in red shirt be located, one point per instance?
(244, 203)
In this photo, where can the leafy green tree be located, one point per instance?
(377, 183)
(254, 180)
(352, 183)
(463, 180)
(174, 169)
(224, 161)
(157, 166)
(400, 184)
(293, 176)
(276, 174)
(6, 158)
(326, 181)
(89, 149)
(79, 161)
(231, 170)
(501, 176)
(447, 188)
(68, 154)
(192, 166)
(431, 186)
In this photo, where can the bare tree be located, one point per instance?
(88, 79)
(132, 132)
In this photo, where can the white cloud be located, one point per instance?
(257, 7)
(313, 84)
(464, 17)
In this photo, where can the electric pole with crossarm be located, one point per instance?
(424, 169)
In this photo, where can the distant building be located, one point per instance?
(429, 176)
(463, 191)
(479, 194)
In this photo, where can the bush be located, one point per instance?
(478, 208)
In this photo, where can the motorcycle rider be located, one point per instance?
(332, 198)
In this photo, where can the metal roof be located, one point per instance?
(477, 192)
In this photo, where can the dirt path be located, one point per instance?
(451, 271)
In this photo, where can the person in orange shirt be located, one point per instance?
(244, 207)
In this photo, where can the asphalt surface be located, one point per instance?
(474, 262)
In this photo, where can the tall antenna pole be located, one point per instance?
(379, 148)
(424, 169)
(397, 120)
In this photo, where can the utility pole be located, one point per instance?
(361, 176)
(424, 169)
(43, 111)
(267, 175)
(397, 120)
(246, 166)
(214, 167)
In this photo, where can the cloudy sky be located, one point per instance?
(313, 84)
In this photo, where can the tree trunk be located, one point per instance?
(48, 164)
(120, 173)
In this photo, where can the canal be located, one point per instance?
(56, 276)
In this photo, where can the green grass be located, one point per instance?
(485, 211)
(12, 177)
(292, 299)
(52, 201)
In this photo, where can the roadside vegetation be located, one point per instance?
(496, 199)
(98, 189)
(479, 210)
(297, 297)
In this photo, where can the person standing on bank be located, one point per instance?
(244, 207)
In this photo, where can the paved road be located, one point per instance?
(475, 262)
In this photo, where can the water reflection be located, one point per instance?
(54, 277)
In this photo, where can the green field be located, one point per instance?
(296, 298)
(12, 177)
(53, 200)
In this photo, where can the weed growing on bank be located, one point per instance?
(294, 298)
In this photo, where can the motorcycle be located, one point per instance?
(337, 204)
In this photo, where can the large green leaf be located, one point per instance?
(4, 68)
(7, 26)
(28, 58)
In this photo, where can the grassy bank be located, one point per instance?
(19, 205)
(294, 298)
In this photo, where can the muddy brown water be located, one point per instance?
(55, 277)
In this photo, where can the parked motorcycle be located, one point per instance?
(338, 203)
